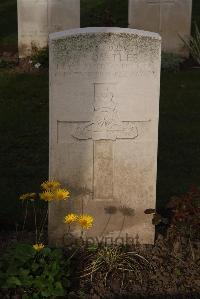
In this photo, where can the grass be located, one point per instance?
(196, 11)
(8, 24)
(102, 13)
(24, 139)
(179, 143)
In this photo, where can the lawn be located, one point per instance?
(106, 12)
(8, 24)
(24, 139)
(24, 118)
(179, 142)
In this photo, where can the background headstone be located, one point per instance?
(38, 18)
(170, 18)
(32, 25)
(104, 108)
(63, 14)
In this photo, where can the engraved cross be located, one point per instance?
(104, 129)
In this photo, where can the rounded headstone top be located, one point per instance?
(99, 30)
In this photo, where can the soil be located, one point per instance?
(6, 48)
(174, 271)
(189, 64)
(12, 63)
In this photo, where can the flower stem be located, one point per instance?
(106, 225)
(35, 220)
(42, 225)
(122, 226)
(25, 218)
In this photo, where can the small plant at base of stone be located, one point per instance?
(185, 213)
(183, 225)
(5, 64)
(193, 44)
(51, 191)
(40, 58)
(171, 62)
(34, 272)
(109, 261)
(85, 222)
(37, 271)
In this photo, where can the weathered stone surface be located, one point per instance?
(104, 108)
(170, 18)
(38, 18)
(63, 14)
(32, 25)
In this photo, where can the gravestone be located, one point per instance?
(63, 14)
(38, 18)
(170, 18)
(32, 26)
(104, 109)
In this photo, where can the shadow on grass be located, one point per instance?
(8, 25)
(179, 141)
(24, 139)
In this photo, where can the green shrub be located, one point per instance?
(171, 62)
(41, 57)
(34, 273)
(5, 64)
(193, 44)
(185, 213)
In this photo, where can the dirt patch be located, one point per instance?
(173, 270)
(11, 62)
(174, 273)
(9, 48)
(188, 64)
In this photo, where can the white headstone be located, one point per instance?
(104, 109)
(32, 26)
(170, 18)
(63, 14)
(38, 18)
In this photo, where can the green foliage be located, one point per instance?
(185, 213)
(36, 274)
(178, 154)
(195, 13)
(178, 271)
(8, 23)
(157, 218)
(171, 62)
(41, 56)
(193, 44)
(24, 158)
(114, 260)
(101, 13)
(5, 64)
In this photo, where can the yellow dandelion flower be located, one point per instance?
(47, 195)
(28, 196)
(85, 221)
(38, 246)
(50, 185)
(70, 218)
(61, 194)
